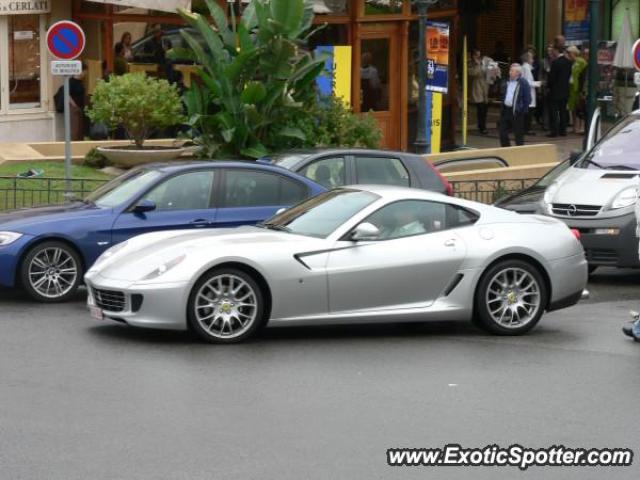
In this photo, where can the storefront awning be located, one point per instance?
(162, 5)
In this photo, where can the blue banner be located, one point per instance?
(437, 56)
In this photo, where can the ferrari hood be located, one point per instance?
(144, 254)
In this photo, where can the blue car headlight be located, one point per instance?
(7, 238)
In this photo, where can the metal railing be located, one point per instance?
(32, 192)
(489, 191)
(18, 192)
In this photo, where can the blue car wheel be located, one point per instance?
(51, 272)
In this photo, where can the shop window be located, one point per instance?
(383, 7)
(374, 75)
(24, 61)
(320, 7)
(330, 7)
(441, 5)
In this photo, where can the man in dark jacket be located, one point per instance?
(558, 86)
(515, 107)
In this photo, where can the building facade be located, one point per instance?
(383, 35)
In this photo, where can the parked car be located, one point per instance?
(354, 254)
(596, 193)
(46, 250)
(531, 199)
(338, 167)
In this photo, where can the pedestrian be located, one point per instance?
(527, 74)
(577, 99)
(77, 102)
(126, 40)
(560, 43)
(558, 88)
(479, 89)
(515, 107)
(632, 329)
(120, 64)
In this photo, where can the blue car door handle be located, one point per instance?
(200, 222)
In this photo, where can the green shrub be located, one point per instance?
(140, 104)
(95, 159)
(338, 126)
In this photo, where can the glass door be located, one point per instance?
(379, 75)
(22, 63)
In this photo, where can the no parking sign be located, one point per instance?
(66, 40)
(635, 51)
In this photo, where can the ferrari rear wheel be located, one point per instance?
(226, 306)
(511, 298)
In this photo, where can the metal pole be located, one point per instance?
(594, 36)
(67, 138)
(422, 137)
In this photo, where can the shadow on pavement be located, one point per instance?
(425, 330)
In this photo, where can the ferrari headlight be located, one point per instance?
(625, 198)
(7, 238)
(165, 267)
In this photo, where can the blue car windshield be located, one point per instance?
(124, 188)
(320, 216)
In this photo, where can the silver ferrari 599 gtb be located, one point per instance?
(354, 254)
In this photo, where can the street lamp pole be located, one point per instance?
(422, 138)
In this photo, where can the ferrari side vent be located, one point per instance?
(454, 283)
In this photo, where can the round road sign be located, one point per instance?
(635, 51)
(66, 40)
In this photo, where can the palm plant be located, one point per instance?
(255, 75)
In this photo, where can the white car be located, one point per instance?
(354, 254)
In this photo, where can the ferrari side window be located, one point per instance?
(418, 217)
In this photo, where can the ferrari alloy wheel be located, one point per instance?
(51, 272)
(511, 298)
(226, 306)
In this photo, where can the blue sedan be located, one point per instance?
(47, 250)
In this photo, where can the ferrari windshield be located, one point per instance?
(320, 216)
(123, 188)
(618, 150)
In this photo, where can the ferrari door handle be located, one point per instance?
(450, 243)
(200, 222)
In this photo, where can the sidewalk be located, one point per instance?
(565, 145)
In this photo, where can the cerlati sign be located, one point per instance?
(17, 7)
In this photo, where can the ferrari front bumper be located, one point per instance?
(159, 306)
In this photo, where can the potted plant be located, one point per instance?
(140, 105)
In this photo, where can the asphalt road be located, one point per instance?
(85, 400)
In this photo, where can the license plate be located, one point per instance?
(96, 313)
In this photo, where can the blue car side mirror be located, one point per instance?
(144, 206)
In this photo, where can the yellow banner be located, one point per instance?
(436, 122)
(342, 73)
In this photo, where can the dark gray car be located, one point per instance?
(338, 167)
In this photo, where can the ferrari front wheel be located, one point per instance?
(226, 306)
